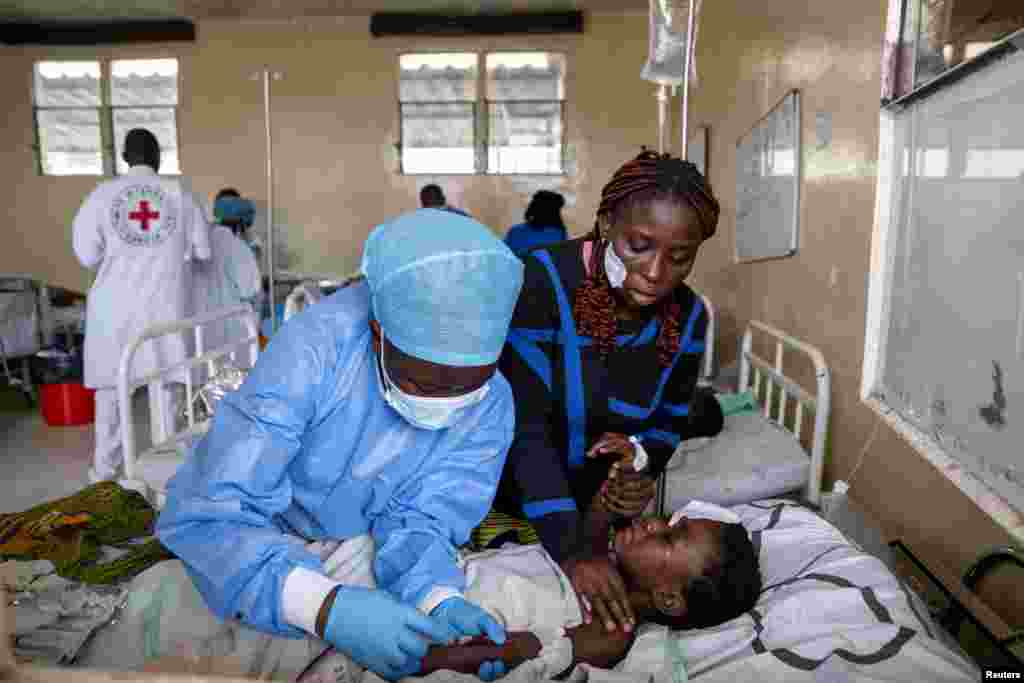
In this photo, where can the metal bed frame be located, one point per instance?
(775, 391)
(165, 437)
(24, 382)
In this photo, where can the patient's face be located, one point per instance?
(654, 555)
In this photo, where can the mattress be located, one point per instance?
(751, 459)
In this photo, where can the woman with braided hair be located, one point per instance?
(603, 356)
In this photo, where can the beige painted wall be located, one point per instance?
(748, 58)
(335, 123)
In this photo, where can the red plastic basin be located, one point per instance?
(64, 405)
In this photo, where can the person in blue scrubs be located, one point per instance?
(380, 410)
(543, 226)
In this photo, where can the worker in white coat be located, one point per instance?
(232, 275)
(139, 231)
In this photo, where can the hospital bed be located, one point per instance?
(21, 334)
(775, 451)
(829, 611)
(148, 470)
(28, 324)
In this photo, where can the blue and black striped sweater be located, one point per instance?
(567, 396)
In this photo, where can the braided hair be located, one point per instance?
(648, 177)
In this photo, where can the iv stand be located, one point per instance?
(662, 116)
(268, 75)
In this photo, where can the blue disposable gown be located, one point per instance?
(307, 449)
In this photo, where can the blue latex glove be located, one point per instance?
(470, 620)
(382, 634)
(491, 671)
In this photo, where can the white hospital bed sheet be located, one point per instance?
(751, 459)
(828, 612)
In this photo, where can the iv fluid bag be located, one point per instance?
(666, 55)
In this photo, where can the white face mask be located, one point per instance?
(614, 268)
(427, 412)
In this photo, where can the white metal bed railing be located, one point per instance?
(704, 379)
(772, 375)
(305, 294)
(707, 372)
(21, 327)
(311, 290)
(164, 436)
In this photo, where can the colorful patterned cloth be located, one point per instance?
(498, 527)
(70, 532)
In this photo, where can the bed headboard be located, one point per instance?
(241, 351)
(763, 377)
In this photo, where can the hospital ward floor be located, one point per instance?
(40, 462)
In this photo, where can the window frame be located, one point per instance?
(890, 202)
(481, 105)
(105, 110)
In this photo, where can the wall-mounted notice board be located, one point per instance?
(768, 184)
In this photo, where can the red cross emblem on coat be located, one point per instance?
(144, 215)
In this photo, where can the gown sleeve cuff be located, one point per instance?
(303, 594)
(436, 596)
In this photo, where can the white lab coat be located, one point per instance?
(139, 230)
(229, 278)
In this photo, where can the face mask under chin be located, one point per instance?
(614, 268)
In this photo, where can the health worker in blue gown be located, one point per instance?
(380, 410)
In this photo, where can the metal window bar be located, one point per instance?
(107, 122)
(486, 137)
(108, 141)
(400, 146)
(37, 145)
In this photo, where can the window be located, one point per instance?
(83, 109)
(498, 113)
(944, 360)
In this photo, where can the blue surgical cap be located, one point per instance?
(443, 286)
(234, 209)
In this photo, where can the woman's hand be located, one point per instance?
(601, 590)
(626, 492)
(615, 445)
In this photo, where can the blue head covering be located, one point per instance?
(443, 286)
(234, 209)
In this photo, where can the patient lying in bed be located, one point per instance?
(685, 573)
(690, 573)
